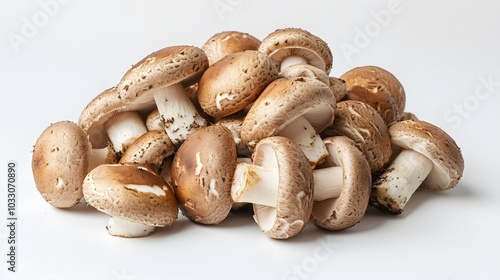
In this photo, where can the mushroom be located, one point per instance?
(62, 156)
(362, 123)
(234, 82)
(382, 90)
(161, 78)
(342, 188)
(279, 184)
(297, 108)
(430, 160)
(202, 171)
(290, 46)
(105, 119)
(135, 197)
(60, 162)
(150, 149)
(228, 42)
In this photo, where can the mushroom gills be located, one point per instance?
(120, 227)
(177, 112)
(393, 189)
(302, 133)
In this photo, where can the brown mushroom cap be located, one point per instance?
(234, 82)
(294, 41)
(346, 210)
(381, 101)
(295, 190)
(131, 192)
(338, 88)
(436, 145)
(305, 70)
(98, 111)
(228, 42)
(150, 149)
(361, 123)
(168, 66)
(202, 171)
(376, 79)
(154, 122)
(285, 100)
(60, 162)
(408, 116)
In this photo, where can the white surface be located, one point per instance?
(442, 52)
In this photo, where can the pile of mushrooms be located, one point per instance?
(242, 121)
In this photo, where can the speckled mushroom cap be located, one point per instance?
(234, 82)
(295, 41)
(153, 121)
(361, 123)
(202, 172)
(228, 42)
(132, 192)
(100, 109)
(338, 88)
(285, 100)
(170, 65)
(436, 145)
(149, 149)
(376, 79)
(305, 70)
(346, 210)
(60, 162)
(380, 101)
(295, 189)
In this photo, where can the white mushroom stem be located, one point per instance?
(101, 156)
(403, 177)
(327, 182)
(302, 133)
(255, 184)
(292, 60)
(258, 185)
(121, 227)
(123, 128)
(178, 112)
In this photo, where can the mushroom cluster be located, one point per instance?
(244, 122)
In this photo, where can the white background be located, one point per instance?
(445, 53)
